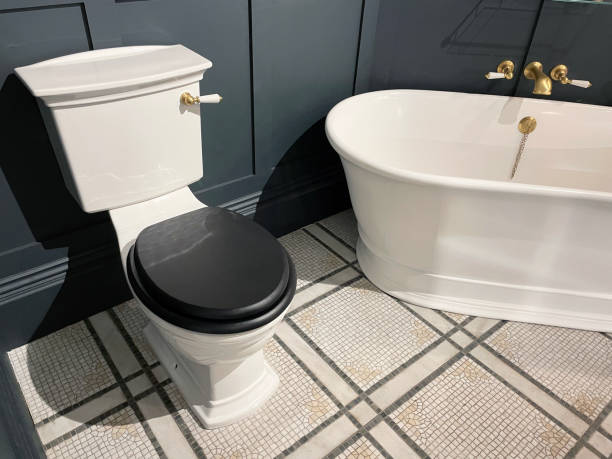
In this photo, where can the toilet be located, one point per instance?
(125, 127)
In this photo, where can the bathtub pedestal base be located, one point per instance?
(495, 300)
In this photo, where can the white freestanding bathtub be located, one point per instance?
(442, 225)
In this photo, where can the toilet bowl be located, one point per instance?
(210, 336)
(213, 284)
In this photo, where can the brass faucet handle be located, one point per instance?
(504, 70)
(559, 73)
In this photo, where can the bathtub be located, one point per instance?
(442, 225)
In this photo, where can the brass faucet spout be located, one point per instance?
(543, 84)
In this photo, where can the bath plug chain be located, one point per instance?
(526, 126)
(519, 155)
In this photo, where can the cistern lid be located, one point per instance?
(211, 264)
(111, 69)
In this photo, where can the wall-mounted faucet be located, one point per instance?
(535, 71)
(543, 84)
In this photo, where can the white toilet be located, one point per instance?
(214, 284)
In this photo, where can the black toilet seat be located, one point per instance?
(211, 271)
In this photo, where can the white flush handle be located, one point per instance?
(495, 75)
(188, 99)
(581, 83)
(210, 99)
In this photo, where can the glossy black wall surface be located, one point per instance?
(280, 67)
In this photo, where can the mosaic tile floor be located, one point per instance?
(362, 375)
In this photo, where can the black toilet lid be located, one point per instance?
(213, 264)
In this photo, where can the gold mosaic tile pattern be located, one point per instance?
(59, 370)
(365, 332)
(134, 321)
(361, 449)
(575, 364)
(312, 260)
(467, 412)
(120, 435)
(297, 407)
(343, 225)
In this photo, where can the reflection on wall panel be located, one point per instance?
(218, 30)
(449, 45)
(30, 172)
(304, 55)
(57, 263)
(577, 35)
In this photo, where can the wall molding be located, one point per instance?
(33, 280)
(249, 204)
(53, 273)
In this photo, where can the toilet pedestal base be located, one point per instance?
(221, 393)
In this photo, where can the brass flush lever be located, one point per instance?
(188, 99)
(559, 73)
(504, 70)
(543, 85)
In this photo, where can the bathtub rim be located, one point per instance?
(405, 175)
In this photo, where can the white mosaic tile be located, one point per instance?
(297, 407)
(118, 436)
(364, 331)
(134, 321)
(362, 448)
(575, 365)
(343, 225)
(59, 370)
(467, 412)
(312, 260)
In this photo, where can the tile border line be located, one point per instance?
(326, 246)
(537, 383)
(126, 392)
(583, 441)
(334, 235)
(89, 398)
(161, 391)
(336, 289)
(337, 415)
(532, 379)
(325, 277)
(351, 441)
(342, 410)
(539, 408)
(102, 416)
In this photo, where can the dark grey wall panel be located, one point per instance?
(29, 169)
(449, 45)
(579, 36)
(218, 30)
(304, 56)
